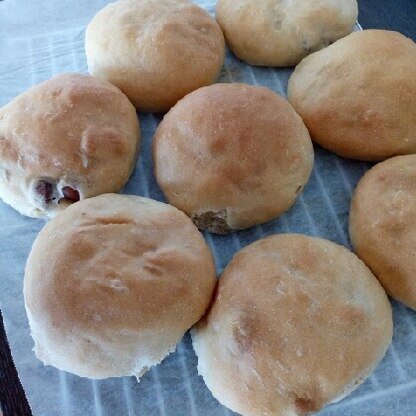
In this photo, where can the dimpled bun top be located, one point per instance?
(296, 323)
(383, 225)
(68, 138)
(155, 51)
(113, 282)
(280, 32)
(358, 96)
(232, 156)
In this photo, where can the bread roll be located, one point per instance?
(358, 96)
(66, 139)
(232, 156)
(113, 282)
(296, 323)
(383, 225)
(155, 51)
(281, 33)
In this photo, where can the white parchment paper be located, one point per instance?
(40, 38)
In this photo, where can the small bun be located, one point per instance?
(66, 139)
(281, 33)
(232, 156)
(358, 96)
(112, 284)
(155, 51)
(297, 322)
(383, 225)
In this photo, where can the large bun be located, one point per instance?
(232, 156)
(112, 284)
(281, 33)
(358, 96)
(297, 323)
(68, 138)
(155, 51)
(383, 225)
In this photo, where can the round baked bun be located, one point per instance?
(276, 33)
(112, 284)
(358, 96)
(66, 139)
(383, 225)
(155, 51)
(296, 323)
(232, 156)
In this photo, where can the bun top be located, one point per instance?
(112, 284)
(383, 225)
(155, 51)
(281, 33)
(358, 96)
(68, 138)
(232, 156)
(297, 323)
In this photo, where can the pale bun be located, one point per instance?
(69, 138)
(155, 51)
(297, 323)
(277, 33)
(232, 156)
(383, 225)
(112, 284)
(358, 96)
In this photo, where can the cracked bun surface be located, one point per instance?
(358, 96)
(383, 225)
(68, 138)
(113, 282)
(296, 323)
(155, 51)
(281, 33)
(232, 156)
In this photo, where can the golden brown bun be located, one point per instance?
(296, 323)
(155, 51)
(383, 225)
(68, 138)
(232, 156)
(275, 33)
(113, 282)
(358, 96)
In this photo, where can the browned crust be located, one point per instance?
(277, 33)
(72, 131)
(383, 225)
(233, 149)
(112, 284)
(155, 51)
(297, 323)
(358, 96)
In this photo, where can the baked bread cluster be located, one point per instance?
(114, 281)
